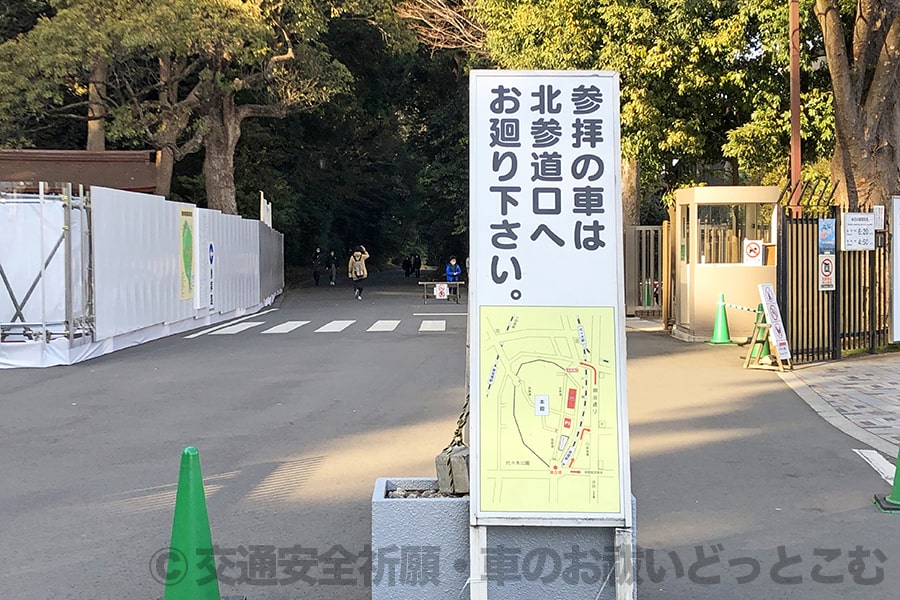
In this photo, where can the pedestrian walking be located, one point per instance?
(356, 270)
(407, 266)
(331, 264)
(317, 265)
(417, 265)
(452, 270)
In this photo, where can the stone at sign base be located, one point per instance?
(444, 474)
(452, 469)
(436, 530)
(459, 466)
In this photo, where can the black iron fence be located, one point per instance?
(855, 315)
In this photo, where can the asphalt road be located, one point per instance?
(294, 427)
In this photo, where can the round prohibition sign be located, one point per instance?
(827, 267)
(753, 249)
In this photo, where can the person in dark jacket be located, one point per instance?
(407, 266)
(331, 265)
(453, 270)
(317, 265)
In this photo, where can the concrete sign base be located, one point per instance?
(420, 551)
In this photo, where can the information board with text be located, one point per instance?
(549, 417)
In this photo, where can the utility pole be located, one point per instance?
(795, 107)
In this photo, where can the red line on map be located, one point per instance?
(590, 367)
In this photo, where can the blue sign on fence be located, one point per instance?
(827, 243)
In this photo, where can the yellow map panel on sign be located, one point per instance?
(548, 410)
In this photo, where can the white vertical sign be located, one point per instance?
(777, 332)
(895, 272)
(549, 417)
(878, 211)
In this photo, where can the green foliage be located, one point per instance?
(701, 82)
(20, 16)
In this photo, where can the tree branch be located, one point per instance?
(246, 111)
(882, 94)
(444, 24)
(845, 93)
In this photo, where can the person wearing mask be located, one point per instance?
(453, 270)
(356, 270)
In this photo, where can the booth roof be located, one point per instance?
(133, 171)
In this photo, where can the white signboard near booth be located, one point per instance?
(549, 421)
(777, 333)
(858, 231)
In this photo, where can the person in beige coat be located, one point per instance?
(356, 269)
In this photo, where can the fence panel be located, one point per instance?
(823, 324)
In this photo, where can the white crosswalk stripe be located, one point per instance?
(384, 325)
(335, 326)
(238, 327)
(428, 325)
(286, 327)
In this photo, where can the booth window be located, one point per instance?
(722, 229)
(686, 234)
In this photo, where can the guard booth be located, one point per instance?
(725, 243)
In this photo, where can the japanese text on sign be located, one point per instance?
(547, 324)
(859, 231)
(546, 172)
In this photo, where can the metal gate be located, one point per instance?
(822, 324)
(643, 269)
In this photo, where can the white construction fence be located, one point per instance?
(87, 272)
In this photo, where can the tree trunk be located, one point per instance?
(174, 119)
(631, 192)
(165, 165)
(222, 135)
(866, 101)
(96, 125)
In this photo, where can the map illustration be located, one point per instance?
(548, 410)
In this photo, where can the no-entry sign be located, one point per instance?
(753, 252)
(826, 273)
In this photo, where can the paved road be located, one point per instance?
(292, 429)
(733, 462)
(294, 425)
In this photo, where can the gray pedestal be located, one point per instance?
(420, 551)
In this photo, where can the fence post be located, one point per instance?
(783, 264)
(838, 292)
(873, 299)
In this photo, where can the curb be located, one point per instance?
(836, 419)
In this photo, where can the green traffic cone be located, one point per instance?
(720, 335)
(765, 350)
(891, 503)
(188, 577)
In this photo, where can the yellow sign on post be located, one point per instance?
(549, 440)
(549, 432)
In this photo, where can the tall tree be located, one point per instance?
(862, 47)
(703, 83)
(20, 16)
